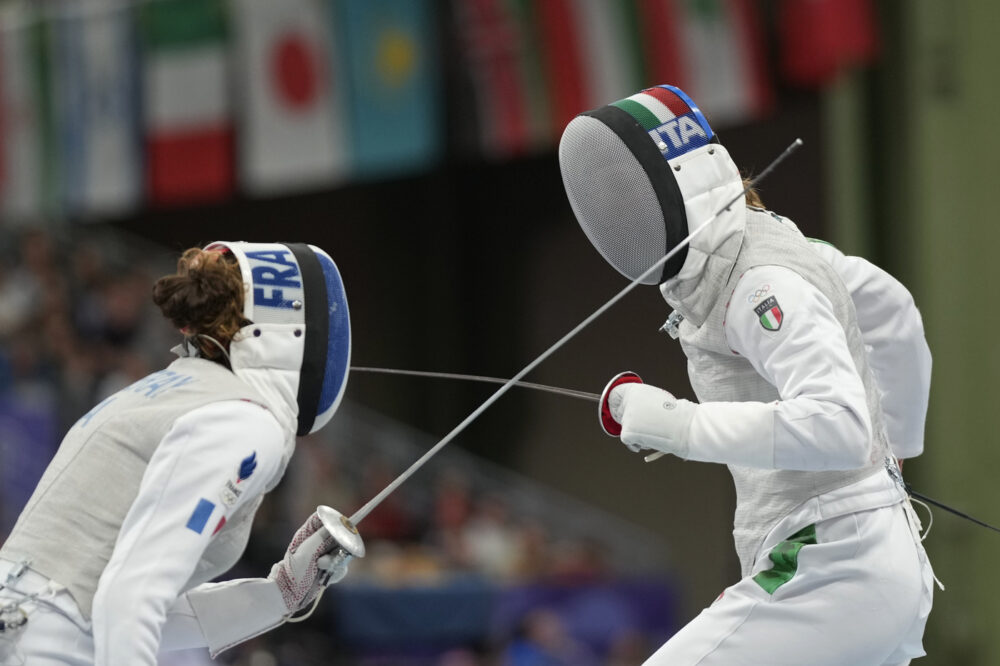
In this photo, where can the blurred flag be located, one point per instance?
(592, 54)
(292, 133)
(20, 126)
(660, 34)
(188, 119)
(711, 49)
(500, 59)
(819, 37)
(95, 104)
(394, 91)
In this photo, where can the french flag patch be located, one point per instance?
(200, 515)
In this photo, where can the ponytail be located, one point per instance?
(204, 297)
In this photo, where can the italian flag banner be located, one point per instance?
(187, 109)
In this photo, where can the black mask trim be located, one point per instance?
(661, 177)
(316, 332)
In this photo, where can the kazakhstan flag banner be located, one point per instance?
(394, 87)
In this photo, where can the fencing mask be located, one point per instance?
(617, 170)
(297, 348)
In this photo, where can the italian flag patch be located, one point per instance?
(770, 314)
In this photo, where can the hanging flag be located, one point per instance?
(40, 47)
(711, 49)
(501, 62)
(660, 32)
(392, 68)
(186, 102)
(292, 133)
(612, 53)
(592, 54)
(859, 29)
(95, 105)
(725, 59)
(20, 127)
(819, 37)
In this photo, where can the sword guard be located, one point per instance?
(608, 423)
(342, 530)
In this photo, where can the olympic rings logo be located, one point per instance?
(759, 293)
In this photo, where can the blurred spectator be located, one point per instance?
(579, 561)
(393, 519)
(315, 477)
(452, 500)
(544, 641)
(19, 300)
(628, 649)
(491, 541)
(71, 322)
(54, 343)
(534, 552)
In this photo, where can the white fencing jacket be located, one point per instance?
(898, 354)
(780, 356)
(162, 543)
(172, 469)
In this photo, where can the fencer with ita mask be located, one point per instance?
(797, 391)
(641, 175)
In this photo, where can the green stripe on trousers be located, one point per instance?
(786, 559)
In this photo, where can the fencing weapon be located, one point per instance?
(360, 514)
(558, 390)
(593, 397)
(942, 505)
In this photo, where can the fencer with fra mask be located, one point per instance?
(152, 493)
(812, 375)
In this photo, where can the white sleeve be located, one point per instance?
(173, 519)
(787, 330)
(898, 355)
(220, 615)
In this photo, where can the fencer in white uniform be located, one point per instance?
(812, 375)
(152, 493)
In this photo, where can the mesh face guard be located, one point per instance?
(615, 164)
(299, 285)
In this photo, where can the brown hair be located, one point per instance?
(204, 297)
(752, 197)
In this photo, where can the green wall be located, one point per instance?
(913, 153)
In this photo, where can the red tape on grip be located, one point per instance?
(608, 424)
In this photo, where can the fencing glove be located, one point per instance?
(646, 417)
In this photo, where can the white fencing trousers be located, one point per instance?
(859, 595)
(56, 633)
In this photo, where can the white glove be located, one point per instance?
(609, 423)
(308, 565)
(237, 610)
(651, 418)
